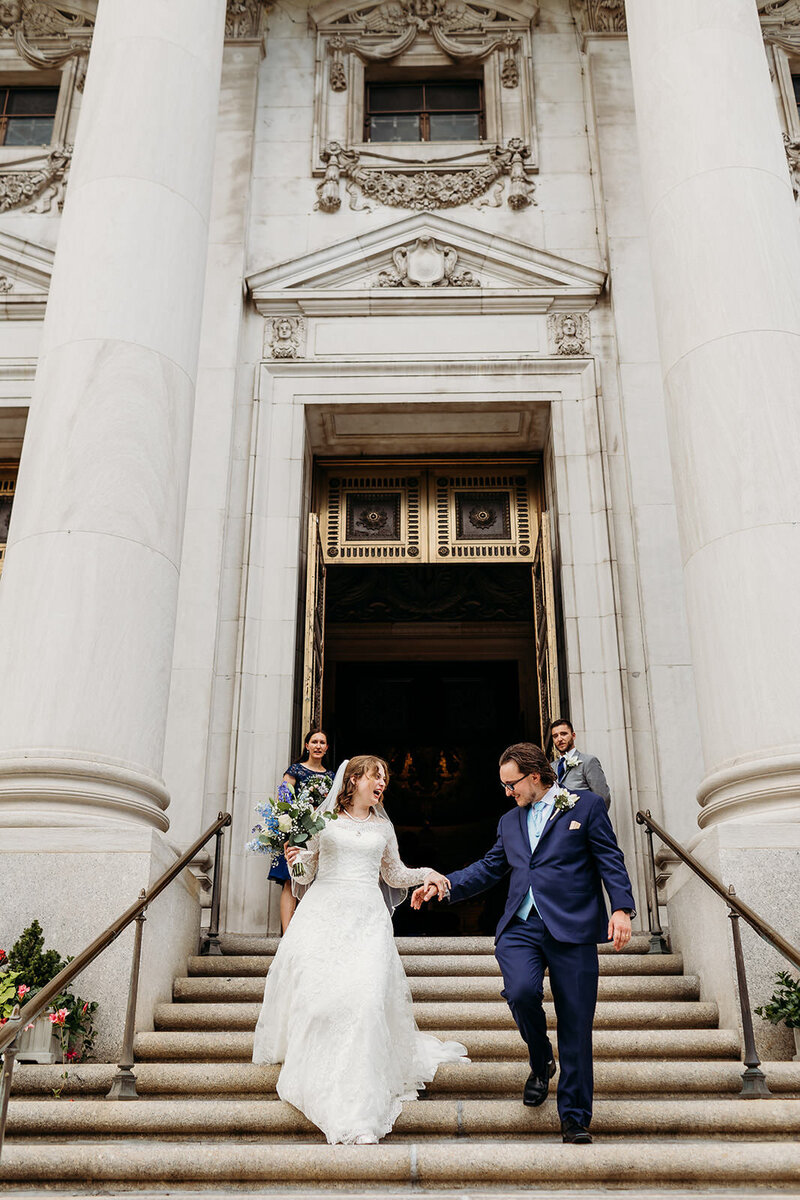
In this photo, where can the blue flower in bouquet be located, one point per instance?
(291, 819)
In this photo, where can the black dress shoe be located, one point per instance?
(574, 1133)
(535, 1091)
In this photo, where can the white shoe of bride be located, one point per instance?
(366, 1139)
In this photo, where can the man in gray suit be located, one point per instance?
(575, 770)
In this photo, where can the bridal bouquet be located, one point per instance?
(292, 819)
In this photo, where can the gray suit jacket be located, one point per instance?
(587, 776)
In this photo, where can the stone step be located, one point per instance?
(659, 1078)
(240, 943)
(493, 1044)
(662, 1014)
(455, 1163)
(431, 1118)
(442, 964)
(621, 988)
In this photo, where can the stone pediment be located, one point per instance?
(425, 263)
(25, 271)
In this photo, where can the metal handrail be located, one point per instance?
(748, 914)
(43, 998)
(754, 1083)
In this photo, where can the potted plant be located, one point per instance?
(66, 1030)
(783, 1007)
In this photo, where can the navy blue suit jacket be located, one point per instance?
(565, 871)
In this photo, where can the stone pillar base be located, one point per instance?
(75, 882)
(52, 788)
(762, 861)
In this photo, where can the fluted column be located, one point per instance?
(725, 250)
(89, 587)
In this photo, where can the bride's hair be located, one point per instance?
(359, 765)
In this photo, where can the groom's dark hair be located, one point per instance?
(530, 760)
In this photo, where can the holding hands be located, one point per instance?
(434, 885)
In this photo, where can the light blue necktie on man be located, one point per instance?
(537, 817)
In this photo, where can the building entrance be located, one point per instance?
(437, 665)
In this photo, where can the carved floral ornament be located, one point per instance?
(27, 21)
(465, 32)
(601, 16)
(245, 18)
(425, 189)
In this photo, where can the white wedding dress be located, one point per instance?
(337, 1008)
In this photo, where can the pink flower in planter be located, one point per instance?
(58, 1018)
(70, 1056)
(84, 1009)
(22, 990)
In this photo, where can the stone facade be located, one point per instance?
(248, 277)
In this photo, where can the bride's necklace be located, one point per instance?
(360, 820)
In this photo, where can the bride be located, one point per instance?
(337, 1008)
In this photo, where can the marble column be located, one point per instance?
(725, 251)
(90, 581)
(88, 597)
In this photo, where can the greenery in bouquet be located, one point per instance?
(24, 971)
(292, 819)
(783, 1006)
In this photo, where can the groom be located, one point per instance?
(559, 847)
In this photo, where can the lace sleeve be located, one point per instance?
(394, 872)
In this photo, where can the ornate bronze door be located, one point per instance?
(314, 650)
(544, 630)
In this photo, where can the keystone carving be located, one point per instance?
(426, 264)
(425, 189)
(780, 23)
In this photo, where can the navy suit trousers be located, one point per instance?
(524, 951)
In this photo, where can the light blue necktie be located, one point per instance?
(536, 821)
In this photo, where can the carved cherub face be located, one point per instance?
(568, 327)
(10, 12)
(284, 329)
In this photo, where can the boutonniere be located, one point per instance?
(572, 761)
(563, 801)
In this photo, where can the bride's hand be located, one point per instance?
(291, 853)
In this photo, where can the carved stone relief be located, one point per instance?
(6, 284)
(601, 16)
(780, 23)
(425, 264)
(569, 332)
(465, 32)
(793, 159)
(25, 21)
(37, 190)
(284, 337)
(425, 189)
(245, 18)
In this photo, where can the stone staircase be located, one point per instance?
(667, 1111)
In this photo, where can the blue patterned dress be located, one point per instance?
(299, 773)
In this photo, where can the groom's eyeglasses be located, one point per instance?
(509, 787)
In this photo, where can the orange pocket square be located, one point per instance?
(574, 824)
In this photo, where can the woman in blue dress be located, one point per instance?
(309, 766)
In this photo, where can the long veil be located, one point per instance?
(392, 896)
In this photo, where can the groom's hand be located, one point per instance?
(434, 885)
(619, 929)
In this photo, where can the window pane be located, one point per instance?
(455, 127)
(394, 129)
(40, 101)
(450, 96)
(5, 518)
(29, 131)
(395, 97)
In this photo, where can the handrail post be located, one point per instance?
(754, 1083)
(210, 943)
(123, 1086)
(658, 943)
(9, 1055)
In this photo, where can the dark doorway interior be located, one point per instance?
(413, 677)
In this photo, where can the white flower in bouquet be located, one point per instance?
(292, 820)
(285, 823)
